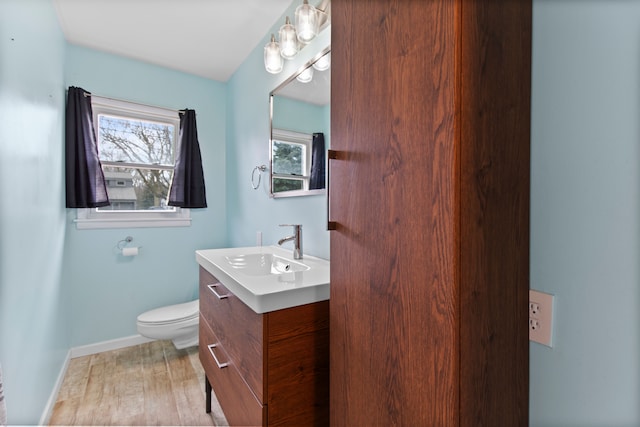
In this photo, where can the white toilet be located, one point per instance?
(178, 323)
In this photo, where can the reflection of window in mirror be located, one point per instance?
(291, 160)
(298, 153)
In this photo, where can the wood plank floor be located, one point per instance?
(148, 384)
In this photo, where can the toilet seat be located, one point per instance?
(171, 314)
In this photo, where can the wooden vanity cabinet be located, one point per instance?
(265, 369)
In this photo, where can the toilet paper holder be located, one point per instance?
(127, 251)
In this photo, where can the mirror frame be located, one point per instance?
(291, 193)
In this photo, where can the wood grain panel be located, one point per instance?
(298, 365)
(495, 68)
(430, 192)
(394, 324)
(239, 329)
(282, 354)
(241, 408)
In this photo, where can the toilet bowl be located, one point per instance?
(178, 323)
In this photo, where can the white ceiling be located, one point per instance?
(208, 38)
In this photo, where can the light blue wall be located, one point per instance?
(299, 116)
(251, 210)
(33, 329)
(585, 238)
(109, 291)
(585, 211)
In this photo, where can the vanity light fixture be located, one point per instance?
(273, 61)
(288, 40)
(306, 22)
(308, 19)
(306, 76)
(323, 63)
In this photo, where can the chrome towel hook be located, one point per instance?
(260, 169)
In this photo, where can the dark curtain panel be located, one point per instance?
(84, 178)
(187, 188)
(316, 181)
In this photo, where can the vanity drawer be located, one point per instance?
(239, 329)
(240, 405)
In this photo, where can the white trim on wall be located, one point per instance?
(51, 403)
(116, 344)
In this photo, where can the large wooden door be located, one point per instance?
(402, 350)
(393, 196)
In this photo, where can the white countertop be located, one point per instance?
(270, 292)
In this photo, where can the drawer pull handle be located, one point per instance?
(212, 289)
(220, 365)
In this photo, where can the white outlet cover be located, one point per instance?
(543, 317)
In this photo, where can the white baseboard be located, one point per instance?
(48, 409)
(116, 344)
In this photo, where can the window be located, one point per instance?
(291, 160)
(136, 146)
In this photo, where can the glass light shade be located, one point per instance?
(323, 63)
(272, 60)
(306, 22)
(306, 76)
(288, 40)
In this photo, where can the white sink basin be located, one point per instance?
(268, 278)
(264, 264)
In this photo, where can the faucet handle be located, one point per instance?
(290, 225)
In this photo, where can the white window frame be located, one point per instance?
(291, 137)
(92, 218)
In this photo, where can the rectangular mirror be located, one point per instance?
(300, 125)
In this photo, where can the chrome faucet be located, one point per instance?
(297, 239)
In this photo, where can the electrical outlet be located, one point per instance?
(534, 324)
(534, 308)
(540, 317)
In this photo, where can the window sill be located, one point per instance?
(89, 220)
(294, 193)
